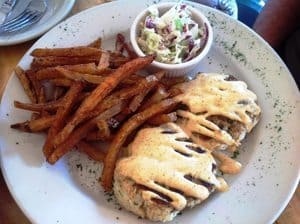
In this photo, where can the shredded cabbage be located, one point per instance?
(173, 37)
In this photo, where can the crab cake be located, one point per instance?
(219, 110)
(164, 174)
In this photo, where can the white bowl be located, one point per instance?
(172, 69)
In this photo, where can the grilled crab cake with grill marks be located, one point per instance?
(164, 174)
(219, 110)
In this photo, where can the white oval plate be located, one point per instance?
(56, 11)
(68, 192)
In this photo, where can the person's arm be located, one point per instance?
(277, 20)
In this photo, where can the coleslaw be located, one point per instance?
(173, 37)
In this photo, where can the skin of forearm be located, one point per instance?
(277, 20)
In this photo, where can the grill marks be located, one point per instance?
(184, 139)
(169, 131)
(209, 186)
(183, 107)
(244, 102)
(164, 199)
(189, 146)
(177, 190)
(195, 148)
(214, 167)
(201, 113)
(183, 153)
(160, 201)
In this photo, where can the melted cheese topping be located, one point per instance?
(160, 160)
(211, 94)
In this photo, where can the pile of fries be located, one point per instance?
(82, 95)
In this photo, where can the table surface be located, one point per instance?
(9, 211)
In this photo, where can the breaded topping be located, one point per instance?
(213, 94)
(170, 166)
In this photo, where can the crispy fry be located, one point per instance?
(49, 106)
(58, 92)
(35, 116)
(71, 141)
(42, 99)
(136, 78)
(95, 79)
(96, 88)
(120, 94)
(123, 94)
(91, 151)
(62, 82)
(41, 123)
(97, 136)
(103, 128)
(121, 117)
(61, 115)
(81, 132)
(24, 126)
(142, 89)
(118, 61)
(82, 96)
(89, 68)
(134, 122)
(152, 82)
(121, 45)
(37, 125)
(132, 80)
(66, 52)
(104, 61)
(35, 83)
(131, 53)
(91, 93)
(162, 118)
(39, 107)
(137, 100)
(115, 54)
(53, 73)
(51, 61)
(101, 91)
(48, 73)
(96, 43)
(26, 84)
(160, 94)
(174, 91)
(41, 95)
(112, 100)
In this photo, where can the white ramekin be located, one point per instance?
(172, 69)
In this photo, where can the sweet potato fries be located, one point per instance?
(81, 95)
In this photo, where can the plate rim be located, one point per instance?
(292, 81)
